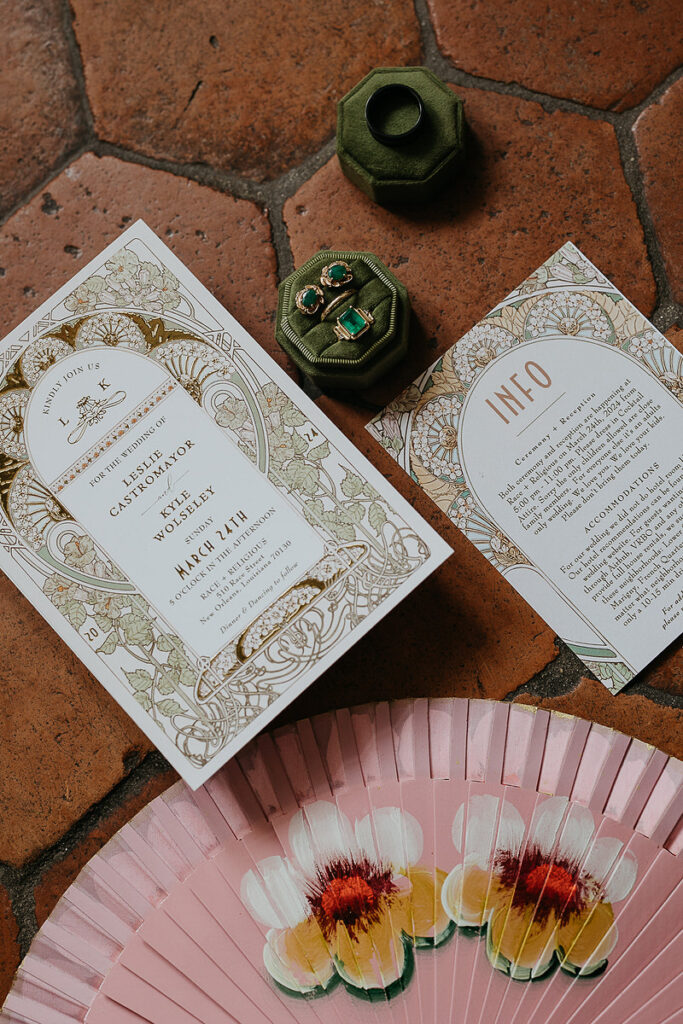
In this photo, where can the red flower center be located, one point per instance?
(350, 890)
(556, 886)
(554, 881)
(348, 897)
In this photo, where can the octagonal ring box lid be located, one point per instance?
(335, 363)
(413, 170)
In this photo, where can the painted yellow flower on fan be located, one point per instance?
(543, 897)
(349, 904)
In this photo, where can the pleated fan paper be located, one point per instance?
(430, 860)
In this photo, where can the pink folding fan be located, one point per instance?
(441, 861)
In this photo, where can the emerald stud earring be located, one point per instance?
(335, 274)
(309, 299)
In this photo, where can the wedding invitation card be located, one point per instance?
(552, 435)
(188, 521)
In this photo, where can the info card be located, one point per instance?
(552, 435)
(188, 521)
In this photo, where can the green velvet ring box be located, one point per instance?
(363, 333)
(416, 168)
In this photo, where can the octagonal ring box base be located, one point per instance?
(414, 170)
(333, 363)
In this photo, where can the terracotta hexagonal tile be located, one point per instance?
(59, 876)
(64, 742)
(226, 242)
(666, 672)
(531, 180)
(463, 632)
(627, 712)
(659, 138)
(242, 86)
(9, 946)
(675, 336)
(40, 116)
(608, 55)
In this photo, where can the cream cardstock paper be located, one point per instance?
(552, 435)
(189, 522)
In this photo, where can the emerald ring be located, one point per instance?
(352, 323)
(334, 275)
(336, 301)
(309, 299)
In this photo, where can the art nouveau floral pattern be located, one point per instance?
(435, 438)
(479, 347)
(541, 898)
(162, 673)
(135, 302)
(297, 457)
(350, 904)
(270, 428)
(564, 298)
(568, 266)
(127, 281)
(572, 314)
(110, 329)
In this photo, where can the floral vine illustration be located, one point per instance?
(163, 674)
(568, 266)
(128, 303)
(349, 510)
(127, 281)
(613, 674)
(162, 678)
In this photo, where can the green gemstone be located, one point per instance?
(352, 321)
(337, 272)
(309, 298)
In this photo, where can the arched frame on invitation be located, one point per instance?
(136, 304)
(566, 300)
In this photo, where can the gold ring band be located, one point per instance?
(336, 301)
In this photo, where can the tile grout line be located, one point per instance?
(21, 883)
(444, 67)
(561, 676)
(556, 679)
(77, 66)
(62, 164)
(286, 184)
(272, 195)
(665, 310)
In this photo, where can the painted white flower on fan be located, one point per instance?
(349, 904)
(543, 896)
